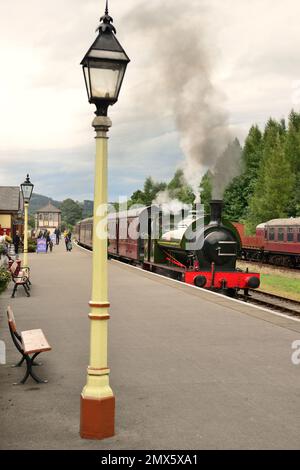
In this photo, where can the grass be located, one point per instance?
(281, 285)
(276, 280)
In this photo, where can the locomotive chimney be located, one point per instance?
(216, 207)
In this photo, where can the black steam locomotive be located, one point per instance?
(200, 254)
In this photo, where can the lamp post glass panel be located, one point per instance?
(104, 66)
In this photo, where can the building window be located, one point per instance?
(280, 234)
(290, 234)
(271, 234)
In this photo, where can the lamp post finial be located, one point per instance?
(105, 22)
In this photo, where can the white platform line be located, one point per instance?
(201, 289)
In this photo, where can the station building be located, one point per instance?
(48, 218)
(11, 210)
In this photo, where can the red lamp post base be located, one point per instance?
(97, 418)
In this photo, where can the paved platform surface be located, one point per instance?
(187, 372)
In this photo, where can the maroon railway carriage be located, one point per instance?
(276, 241)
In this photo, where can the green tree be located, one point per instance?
(149, 193)
(31, 221)
(137, 198)
(252, 152)
(274, 187)
(292, 150)
(205, 189)
(179, 189)
(71, 212)
(239, 191)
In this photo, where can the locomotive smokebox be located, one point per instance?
(216, 207)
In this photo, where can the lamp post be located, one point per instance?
(26, 188)
(104, 67)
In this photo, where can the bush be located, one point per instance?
(31, 245)
(4, 278)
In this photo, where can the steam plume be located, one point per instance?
(182, 56)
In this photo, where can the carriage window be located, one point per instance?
(298, 235)
(280, 234)
(271, 234)
(290, 235)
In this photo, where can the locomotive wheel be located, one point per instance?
(200, 281)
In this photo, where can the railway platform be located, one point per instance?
(190, 369)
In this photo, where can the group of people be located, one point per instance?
(67, 236)
(6, 241)
(46, 235)
(17, 240)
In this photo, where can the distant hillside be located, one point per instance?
(37, 201)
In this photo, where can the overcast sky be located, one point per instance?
(45, 119)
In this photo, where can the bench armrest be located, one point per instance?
(23, 277)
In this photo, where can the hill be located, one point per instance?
(37, 201)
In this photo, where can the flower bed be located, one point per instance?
(4, 278)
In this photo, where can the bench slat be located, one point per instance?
(34, 341)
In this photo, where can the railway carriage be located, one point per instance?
(276, 242)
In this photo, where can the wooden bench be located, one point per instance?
(29, 344)
(20, 277)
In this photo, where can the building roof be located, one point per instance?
(284, 222)
(9, 198)
(48, 208)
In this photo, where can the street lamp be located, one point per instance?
(26, 188)
(104, 67)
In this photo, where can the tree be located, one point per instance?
(148, 195)
(137, 198)
(31, 222)
(179, 189)
(274, 187)
(239, 191)
(252, 152)
(206, 191)
(236, 198)
(71, 211)
(292, 149)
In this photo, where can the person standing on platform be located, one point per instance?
(16, 242)
(68, 236)
(48, 240)
(57, 234)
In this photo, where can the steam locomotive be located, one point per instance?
(200, 254)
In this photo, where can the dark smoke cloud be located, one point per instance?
(176, 41)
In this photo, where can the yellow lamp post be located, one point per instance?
(104, 67)
(26, 188)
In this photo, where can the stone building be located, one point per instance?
(48, 218)
(11, 210)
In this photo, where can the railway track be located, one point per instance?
(273, 302)
(273, 265)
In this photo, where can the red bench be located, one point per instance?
(20, 277)
(30, 344)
